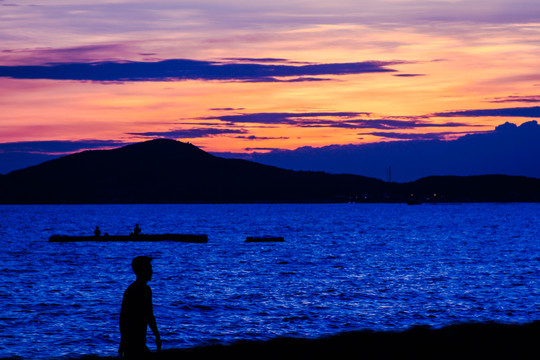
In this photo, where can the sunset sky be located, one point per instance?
(242, 76)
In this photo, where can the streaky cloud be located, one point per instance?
(411, 136)
(255, 137)
(261, 149)
(50, 56)
(504, 112)
(227, 109)
(516, 98)
(276, 80)
(57, 146)
(259, 60)
(409, 75)
(348, 120)
(283, 118)
(189, 133)
(185, 69)
(389, 124)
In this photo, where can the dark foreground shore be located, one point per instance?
(463, 341)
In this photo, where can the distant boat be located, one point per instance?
(265, 239)
(187, 238)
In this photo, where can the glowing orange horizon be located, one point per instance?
(443, 67)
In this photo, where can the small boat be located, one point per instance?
(187, 238)
(265, 239)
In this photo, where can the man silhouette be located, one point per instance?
(137, 313)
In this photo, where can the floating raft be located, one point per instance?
(265, 239)
(187, 238)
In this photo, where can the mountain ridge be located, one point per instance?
(169, 171)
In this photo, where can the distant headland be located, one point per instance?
(169, 171)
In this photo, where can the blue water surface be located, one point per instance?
(342, 267)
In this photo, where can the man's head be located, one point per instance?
(142, 267)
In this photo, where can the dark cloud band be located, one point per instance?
(183, 69)
(525, 99)
(189, 133)
(410, 136)
(347, 120)
(57, 146)
(505, 112)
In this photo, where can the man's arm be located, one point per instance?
(153, 327)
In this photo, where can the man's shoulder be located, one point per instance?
(137, 287)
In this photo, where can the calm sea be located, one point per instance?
(342, 267)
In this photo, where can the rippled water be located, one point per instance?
(342, 267)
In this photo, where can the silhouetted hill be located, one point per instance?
(168, 171)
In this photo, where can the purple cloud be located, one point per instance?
(409, 75)
(347, 120)
(227, 109)
(282, 118)
(410, 136)
(56, 56)
(504, 112)
(261, 149)
(182, 69)
(254, 137)
(276, 80)
(388, 124)
(259, 60)
(189, 133)
(57, 146)
(515, 98)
